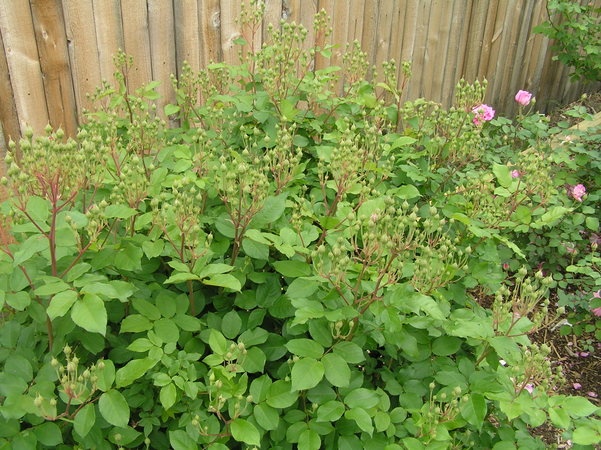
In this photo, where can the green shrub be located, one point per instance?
(291, 267)
(576, 32)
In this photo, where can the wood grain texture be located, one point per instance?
(51, 41)
(8, 109)
(23, 63)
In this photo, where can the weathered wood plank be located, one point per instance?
(54, 62)
(83, 50)
(162, 49)
(9, 119)
(23, 63)
(136, 41)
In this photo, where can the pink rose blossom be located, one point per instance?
(482, 113)
(597, 294)
(577, 192)
(596, 311)
(584, 354)
(577, 386)
(592, 394)
(529, 387)
(523, 97)
(515, 174)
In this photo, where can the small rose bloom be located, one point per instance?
(584, 354)
(592, 394)
(515, 174)
(523, 97)
(577, 386)
(596, 311)
(529, 387)
(597, 294)
(577, 192)
(482, 113)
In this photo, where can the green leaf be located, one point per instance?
(273, 209)
(213, 269)
(407, 192)
(18, 300)
(52, 286)
(302, 288)
(171, 109)
(309, 440)
(166, 330)
(217, 342)
(135, 323)
(350, 351)
(231, 324)
(255, 250)
(579, 406)
(132, 371)
(361, 398)
(337, 370)
(244, 431)
(402, 141)
(106, 375)
(38, 209)
(114, 408)
(49, 434)
(305, 348)
(281, 395)
(30, 247)
(119, 211)
(446, 345)
(266, 416)
(586, 435)
(180, 440)
(85, 419)
(152, 249)
(306, 374)
(330, 411)
(559, 417)
(129, 257)
(474, 410)
(503, 174)
(361, 418)
(292, 268)
(61, 303)
(90, 314)
(168, 395)
(224, 280)
(181, 277)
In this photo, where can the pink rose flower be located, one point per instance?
(596, 311)
(597, 294)
(523, 97)
(515, 174)
(482, 113)
(577, 386)
(577, 192)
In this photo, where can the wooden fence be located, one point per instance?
(53, 52)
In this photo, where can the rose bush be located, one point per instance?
(288, 268)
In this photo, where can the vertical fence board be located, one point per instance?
(54, 62)
(210, 32)
(230, 30)
(162, 49)
(23, 63)
(8, 110)
(83, 50)
(187, 38)
(136, 42)
(109, 35)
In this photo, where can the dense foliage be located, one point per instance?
(305, 261)
(575, 28)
